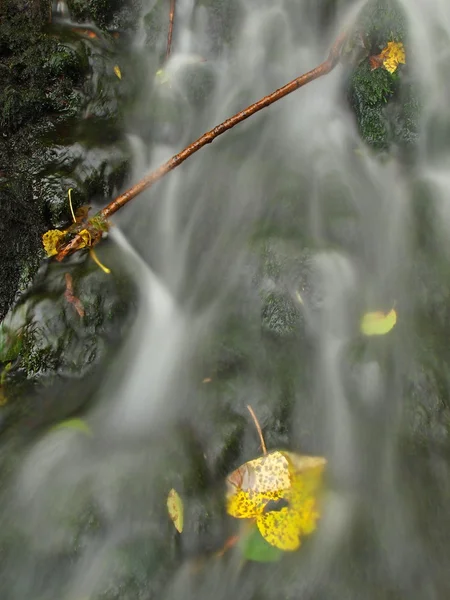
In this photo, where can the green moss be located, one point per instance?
(387, 109)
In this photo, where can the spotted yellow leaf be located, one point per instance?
(175, 509)
(117, 71)
(51, 240)
(255, 483)
(378, 323)
(278, 490)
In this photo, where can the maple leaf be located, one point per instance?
(390, 57)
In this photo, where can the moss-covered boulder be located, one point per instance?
(386, 105)
(61, 121)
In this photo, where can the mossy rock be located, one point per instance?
(106, 14)
(386, 106)
(59, 100)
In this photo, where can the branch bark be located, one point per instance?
(208, 137)
(169, 35)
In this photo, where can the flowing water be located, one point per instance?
(253, 263)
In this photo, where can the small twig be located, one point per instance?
(169, 35)
(70, 296)
(258, 429)
(176, 160)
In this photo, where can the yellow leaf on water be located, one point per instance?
(51, 240)
(117, 71)
(378, 323)
(73, 425)
(280, 491)
(255, 483)
(175, 509)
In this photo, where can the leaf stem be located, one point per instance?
(258, 429)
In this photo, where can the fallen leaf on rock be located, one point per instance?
(117, 71)
(378, 323)
(279, 490)
(390, 57)
(175, 509)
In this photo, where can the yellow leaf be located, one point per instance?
(393, 55)
(280, 491)
(378, 323)
(86, 237)
(256, 483)
(175, 509)
(51, 240)
(117, 71)
(162, 77)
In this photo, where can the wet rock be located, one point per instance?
(53, 336)
(386, 106)
(61, 121)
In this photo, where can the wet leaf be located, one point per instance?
(175, 509)
(74, 425)
(162, 77)
(254, 547)
(117, 71)
(86, 239)
(51, 241)
(87, 32)
(280, 491)
(390, 57)
(378, 323)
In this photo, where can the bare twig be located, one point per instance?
(258, 429)
(176, 160)
(169, 35)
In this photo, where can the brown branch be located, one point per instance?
(169, 35)
(154, 176)
(258, 429)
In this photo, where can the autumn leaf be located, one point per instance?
(51, 241)
(86, 239)
(87, 32)
(74, 425)
(175, 509)
(390, 57)
(279, 490)
(117, 71)
(378, 323)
